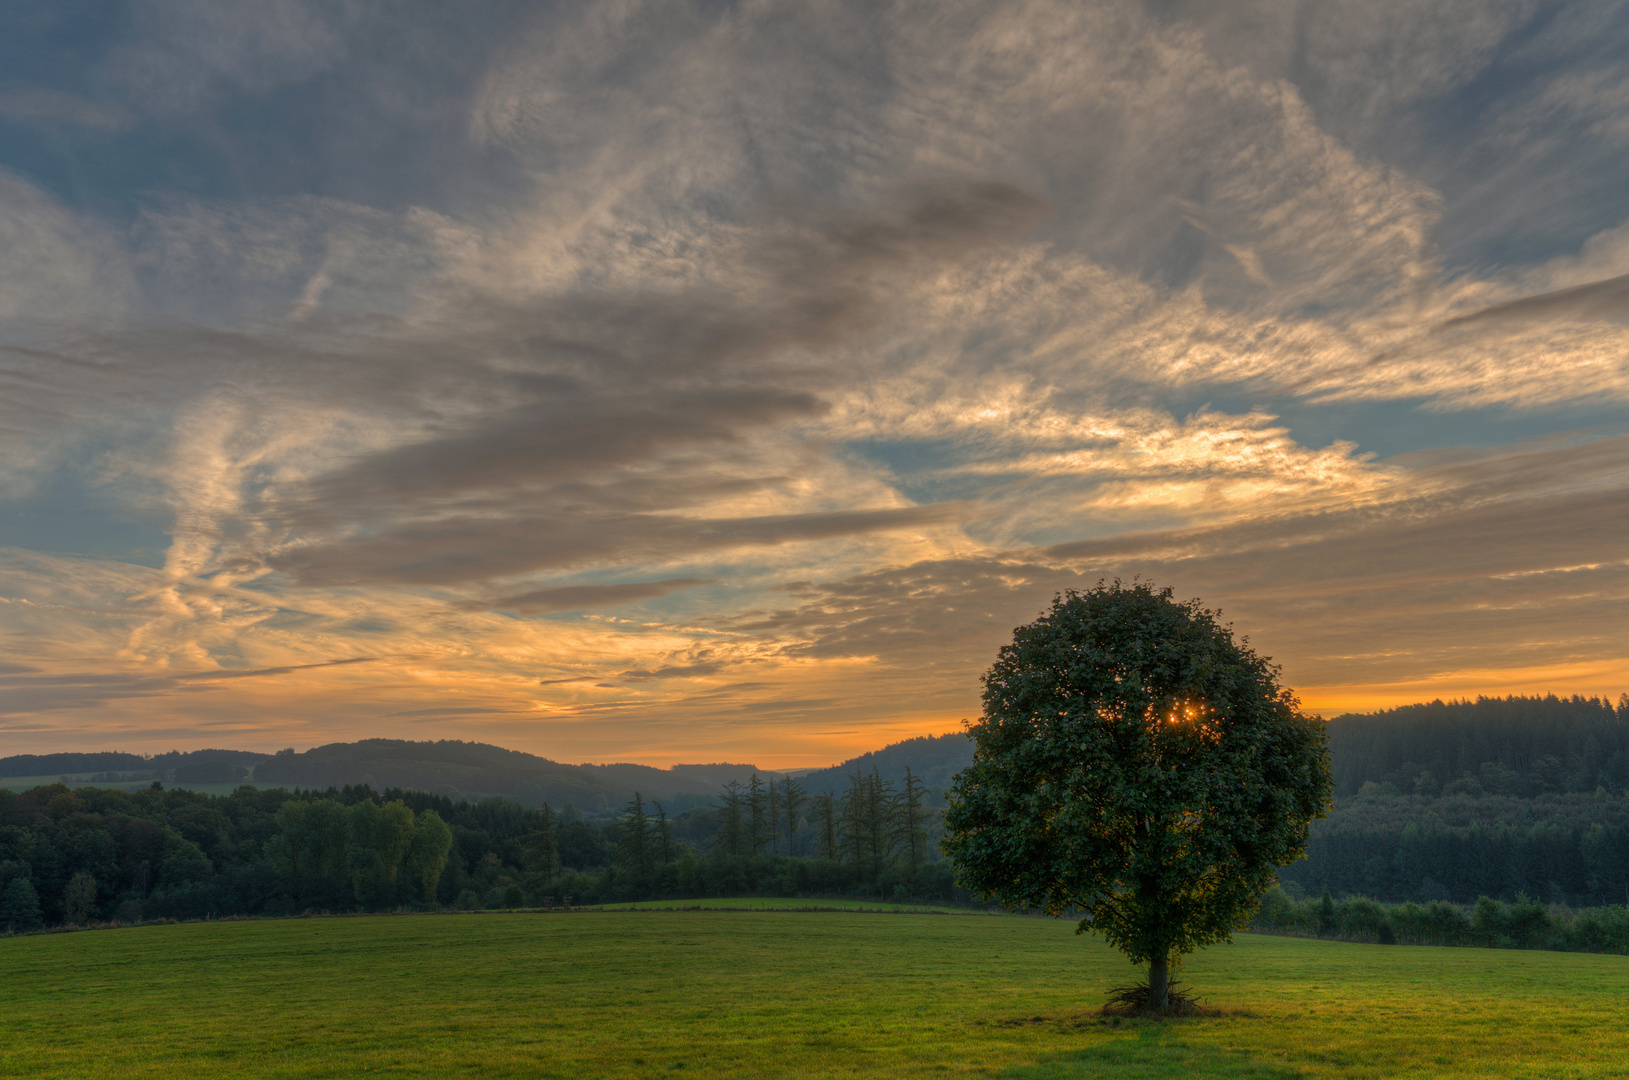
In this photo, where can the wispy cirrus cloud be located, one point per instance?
(656, 379)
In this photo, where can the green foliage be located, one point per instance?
(382, 851)
(19, 905)
(1571, 848)
(182, 862)
(377, 839)
(1489, 923)
(427, 853)
(79, 899)
(1137, 765)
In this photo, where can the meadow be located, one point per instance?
(663, 991)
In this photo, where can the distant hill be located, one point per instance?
(1509, 746)
(1503, 746)
(57, 764)
(933, 758)
(198, 766)
(478, 770)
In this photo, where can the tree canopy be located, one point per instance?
(1135, 763)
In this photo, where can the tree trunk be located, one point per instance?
(1159, 983)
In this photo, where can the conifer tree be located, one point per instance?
(761, 831)
(731, 836)
(867, 824)
(913, 813)
(635, 842)
(855, 836)
(541, 849)
(879, 818)
(826, 837)
(792, 799)
(664, 836)
(773, 799)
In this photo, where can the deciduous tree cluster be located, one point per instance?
(93, 854)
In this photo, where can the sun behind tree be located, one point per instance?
(1136, 763)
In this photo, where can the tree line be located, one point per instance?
(873, 839)
(172, 853)
(1489, 923)
(1520, 746)
(1562, 848)
(94, 854)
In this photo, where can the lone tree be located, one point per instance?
(1137, 764)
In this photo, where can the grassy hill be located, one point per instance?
(772, 994)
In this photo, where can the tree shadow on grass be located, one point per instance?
(1154, 1052)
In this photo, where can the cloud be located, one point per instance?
(217, 676)
(595, 408)
(295, 257)
(1598, 300)
(590, 305)
(680, 671)
(56, 106)
(81, 692)
(1424, 583)
(586, 597)
(58, 264)
(472, 550)
(186, 46)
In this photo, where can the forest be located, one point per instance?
(96, 854)
(1520, 800)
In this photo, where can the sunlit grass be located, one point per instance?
(774, 993)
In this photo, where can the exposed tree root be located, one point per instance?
(1133, 1001)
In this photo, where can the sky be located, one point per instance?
(693, 381)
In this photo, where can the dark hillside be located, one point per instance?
(202, 766)
(1557, 848)
(1507, 746)
(935, 759)
(177, 758)
(56, 764)
(478, 770)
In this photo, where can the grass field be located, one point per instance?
(775, 993)
(781, 903)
